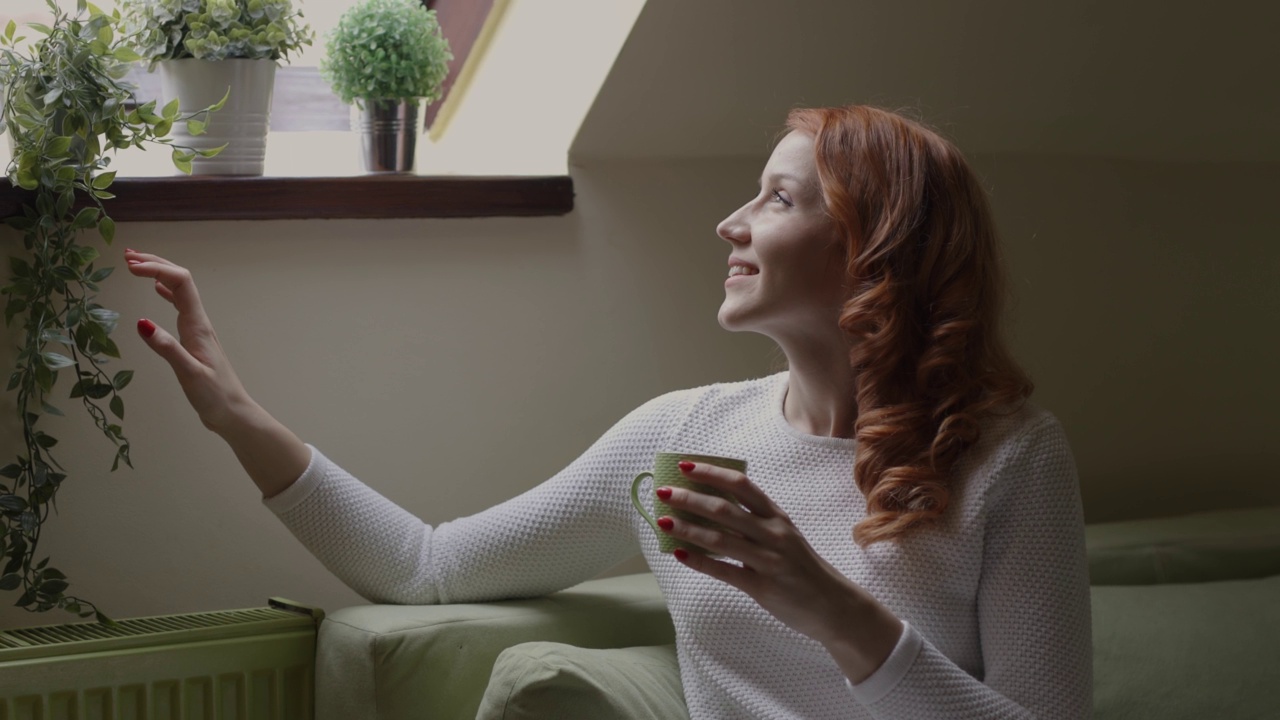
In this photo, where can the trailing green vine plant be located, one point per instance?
(67, 104)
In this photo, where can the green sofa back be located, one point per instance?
(1200, 547)
(1186, 616)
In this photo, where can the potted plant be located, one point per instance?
(206, 49)
(388, 58)
(66, 105)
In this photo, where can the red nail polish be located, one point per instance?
(146, 327)
(663, 493)
(666, 523)
(681, 554)
(685, 465)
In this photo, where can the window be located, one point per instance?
(302, 99)
(316, 173)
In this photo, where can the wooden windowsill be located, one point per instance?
(181, 198)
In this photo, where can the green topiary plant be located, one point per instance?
(66, 104)
(215, 29)
(386, 50)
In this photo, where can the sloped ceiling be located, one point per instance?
(1155, 79)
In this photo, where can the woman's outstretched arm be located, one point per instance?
(271, 454)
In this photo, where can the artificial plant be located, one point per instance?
(386, 50)
(215, 29)
(66, 106)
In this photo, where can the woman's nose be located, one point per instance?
(734, 227)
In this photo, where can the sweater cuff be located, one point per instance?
(881, 682)
(307, 482)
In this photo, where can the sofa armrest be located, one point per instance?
(432, 662)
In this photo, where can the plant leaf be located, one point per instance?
(103, 181)
(12, 503)
(117, 406)
(107, 227)
(182, 161)
(59, 146)
(124, 54)
(218, 105)
(56, 361)
(53, 587)
(87, 217)
(122, 379)
(19, 267)
(88, 254)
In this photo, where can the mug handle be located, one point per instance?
(635, 500)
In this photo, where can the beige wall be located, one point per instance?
(452, 364)
(1149, 306)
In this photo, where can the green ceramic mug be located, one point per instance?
(666, 473)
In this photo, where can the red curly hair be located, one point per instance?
(924, 315)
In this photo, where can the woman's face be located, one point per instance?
(796, 281)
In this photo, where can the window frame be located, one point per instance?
(370, 196)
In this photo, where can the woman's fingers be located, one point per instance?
(738, 576)
(733, 482)
(717, 540)
(752, 529)
(167, 346)
(176, 280)
(132, 255)
(164, 292)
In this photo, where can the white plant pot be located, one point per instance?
(241, 124)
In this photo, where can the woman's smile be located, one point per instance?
(739, 270)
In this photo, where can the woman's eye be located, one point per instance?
(778, 196)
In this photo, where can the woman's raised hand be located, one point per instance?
(272, 455)
(196, 356)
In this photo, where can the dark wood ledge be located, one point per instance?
(182, 198)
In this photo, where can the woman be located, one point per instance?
(869, 256)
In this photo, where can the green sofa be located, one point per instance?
(1186, 624)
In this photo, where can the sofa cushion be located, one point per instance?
(387, 662)
(539, 680)
(1216, 545)
(1195, 650)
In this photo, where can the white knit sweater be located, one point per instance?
(995, 598)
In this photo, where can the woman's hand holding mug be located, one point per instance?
(718, 522)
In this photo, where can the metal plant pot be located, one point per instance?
(388, 133)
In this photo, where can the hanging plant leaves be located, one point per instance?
(49, 295)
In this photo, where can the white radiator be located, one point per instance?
(253, 664)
